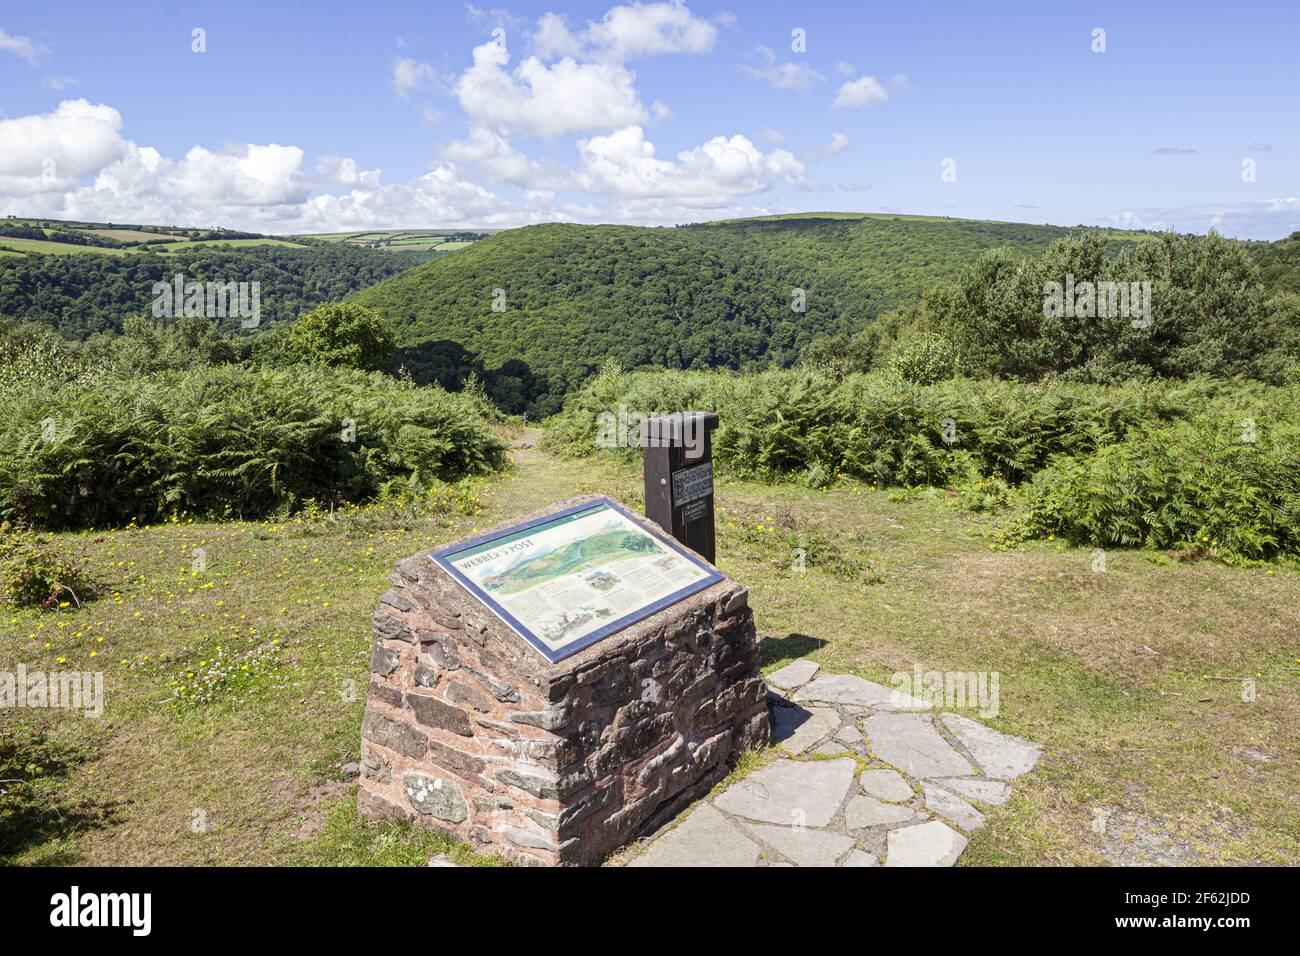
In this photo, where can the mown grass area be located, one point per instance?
(1108, 670)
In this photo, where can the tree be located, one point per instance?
(340, 334)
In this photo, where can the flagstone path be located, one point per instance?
(913, 805)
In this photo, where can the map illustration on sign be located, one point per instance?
(565, 581)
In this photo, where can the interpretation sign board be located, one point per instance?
(565, 581)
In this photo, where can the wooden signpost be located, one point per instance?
(678, 457)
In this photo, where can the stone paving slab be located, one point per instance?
(981, 791)
(802, 846)
(1001, 756)
(844, 689)
(865, 777)
(926, 844)
(863, 811)
(952, 807)
(791, 792)
(793, 676)
(796, 729)
(886, 784)
(910, 743)
(705, 838)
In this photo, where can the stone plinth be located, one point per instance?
(470, 730)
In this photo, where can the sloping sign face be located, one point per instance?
(569, 579)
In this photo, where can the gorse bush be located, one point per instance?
(230, 441)
(1148, 463)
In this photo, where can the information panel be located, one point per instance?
(569, 579)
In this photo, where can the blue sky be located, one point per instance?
(323, 116)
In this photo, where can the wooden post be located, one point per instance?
(678, 456)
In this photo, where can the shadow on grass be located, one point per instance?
(783, 650)
(35, 805)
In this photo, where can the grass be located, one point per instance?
(1106, 670)
(49, 247)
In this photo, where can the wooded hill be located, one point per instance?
(706, 296)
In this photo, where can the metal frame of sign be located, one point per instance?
(442, 558)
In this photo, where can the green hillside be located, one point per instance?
(1279, 263)
(79, 295)
(714, 295)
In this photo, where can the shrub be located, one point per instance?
(923, 359)
(1209, 312)
(1217, 483)
(339, 334)
(33, 573)
(32, 356)
(1148, 463)
(230, 441)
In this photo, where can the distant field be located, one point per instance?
(135, 237)
(132, 235)
(234, 243)
(57, 248)
(407, 240)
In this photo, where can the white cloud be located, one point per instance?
(772, 135)
(781, 76)
(564, 97)
(845, 69)
(272, 188)
(59, 83)
(627, 32)
(1268, 219)
(441, 196)
(623, 164)
(490, 154)
(335, 170)
(649, 29)
(838, 144)
(245, 175)
(73, 163)
(77, 139)
(860, 93)
(24, 47)
(409, 75)
(552, 38)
